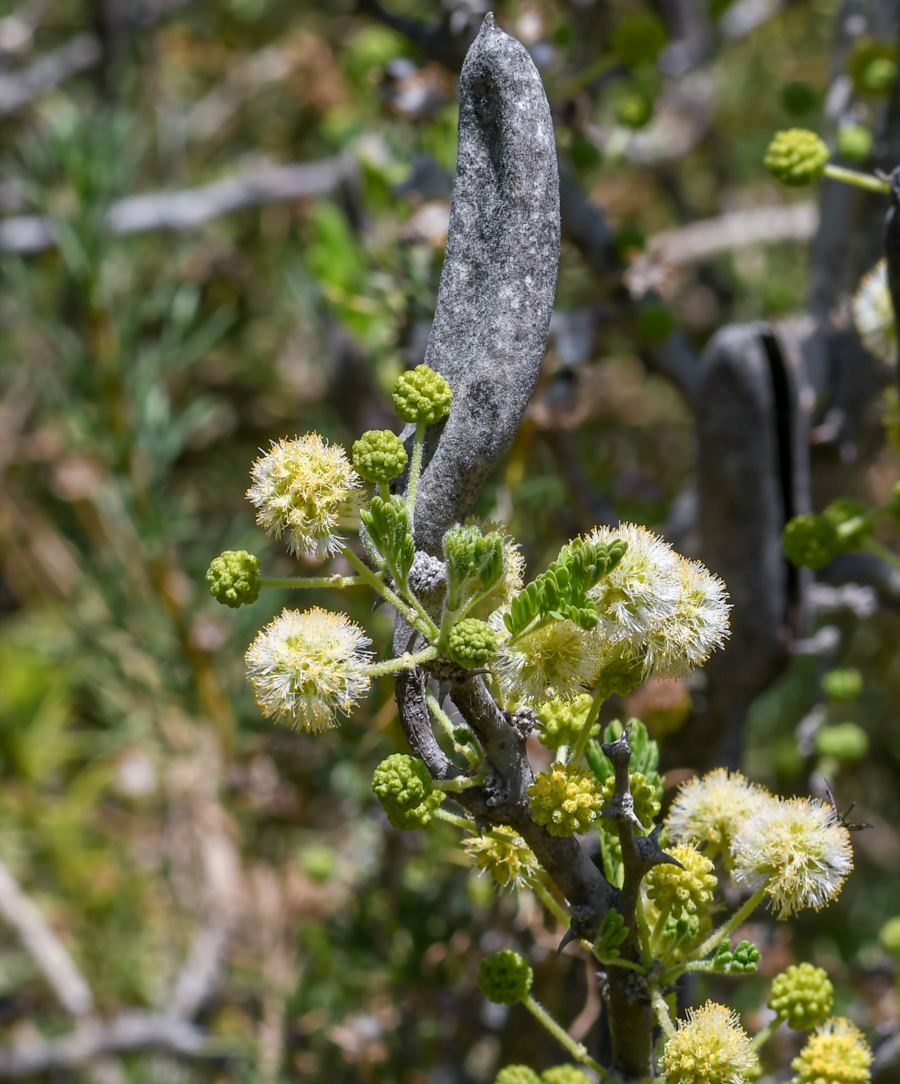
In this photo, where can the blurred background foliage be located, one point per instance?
(165, 833)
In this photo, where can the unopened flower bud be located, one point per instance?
(505, 977)
(422, 395)
(796, 157)
(802, 995)
(379, 456)
(233, 578)
(472, 643)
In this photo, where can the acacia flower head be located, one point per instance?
(307, 666)
(797, 849)
(683, 889)
(708, 810)
(698, 626)
(837, 1053)
(557, 660)
(301, 487)
(711, 1047)
(504, 855)
(643, 590)
(873, 314)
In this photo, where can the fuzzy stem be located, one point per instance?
(384, 491)
(660, 925)
(852, 176)
(452, 818)
(576, 1049)
(662, 1010)
(415, 469)
(585, 732)
(403, 662)
(473, 756)
(874, 546)
(458, 783)
(762, 1036)
(314, 581)
(728, 928)
(415, 618)
(550, 902)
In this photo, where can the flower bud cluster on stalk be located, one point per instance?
(617, 606)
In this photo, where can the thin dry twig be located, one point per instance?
(45, 947)
(191, 207)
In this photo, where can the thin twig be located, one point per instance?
(45, 947)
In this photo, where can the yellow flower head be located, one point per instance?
(836, 1053)
(682, 891)
(558, 660)
(873, 314)
(797, 849)
(504, 855)
(643, 590)
(710, 1048)
(697, 627)
(302, 487)
(305, 667)
(708, 809)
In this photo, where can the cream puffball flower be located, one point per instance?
(708, 810)
(698, 626)
(837, 1053)
(643, 590)
(307, 666)
(302, 487)
(557, 660)
(873, 314)
(797, 849)
(710, 1048)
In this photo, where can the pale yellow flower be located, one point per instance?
(707, 810)
(837, 1053)
(305, 667)
(710, 1048)
(559, 659)
(873, 314)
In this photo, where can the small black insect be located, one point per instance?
(841, 819)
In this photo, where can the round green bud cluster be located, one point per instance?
(842, 684)
(811, 541)
(799, 98)
(645, 795)
(889, 936)
(802, 995)
(472, 643)
(565, 1074)
(638, 39)
(878, 75)
(379, 456)
(634, 110)
(851, 522)
(562, 720)
(565, 800)
(684, 931)
(796, 157)
(872, 65)
(233, 578)
(744, 958)
(855, 141)
(505, 977)
(844, 742)
(404, 787)
(517, 1074)
(422, 395)
(682, 891)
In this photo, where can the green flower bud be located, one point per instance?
(565, 1074)
(796, 157)
(745, 958)
(878, 76)
(646, 798)
(842, 684)
(472, 643)
(634, 110)
(845, 742)
(611, 934)
(855, 141)
(638, 39)
(404, 787)
(851, 522)
(422, 395)
(505, 977)
(233, 578)
(565, 800)
(872, 65)
(379, 456)
(517, 1074)
(889, 936)
(802, 995)
(811, 541)
(562, 721)
(683, 891)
